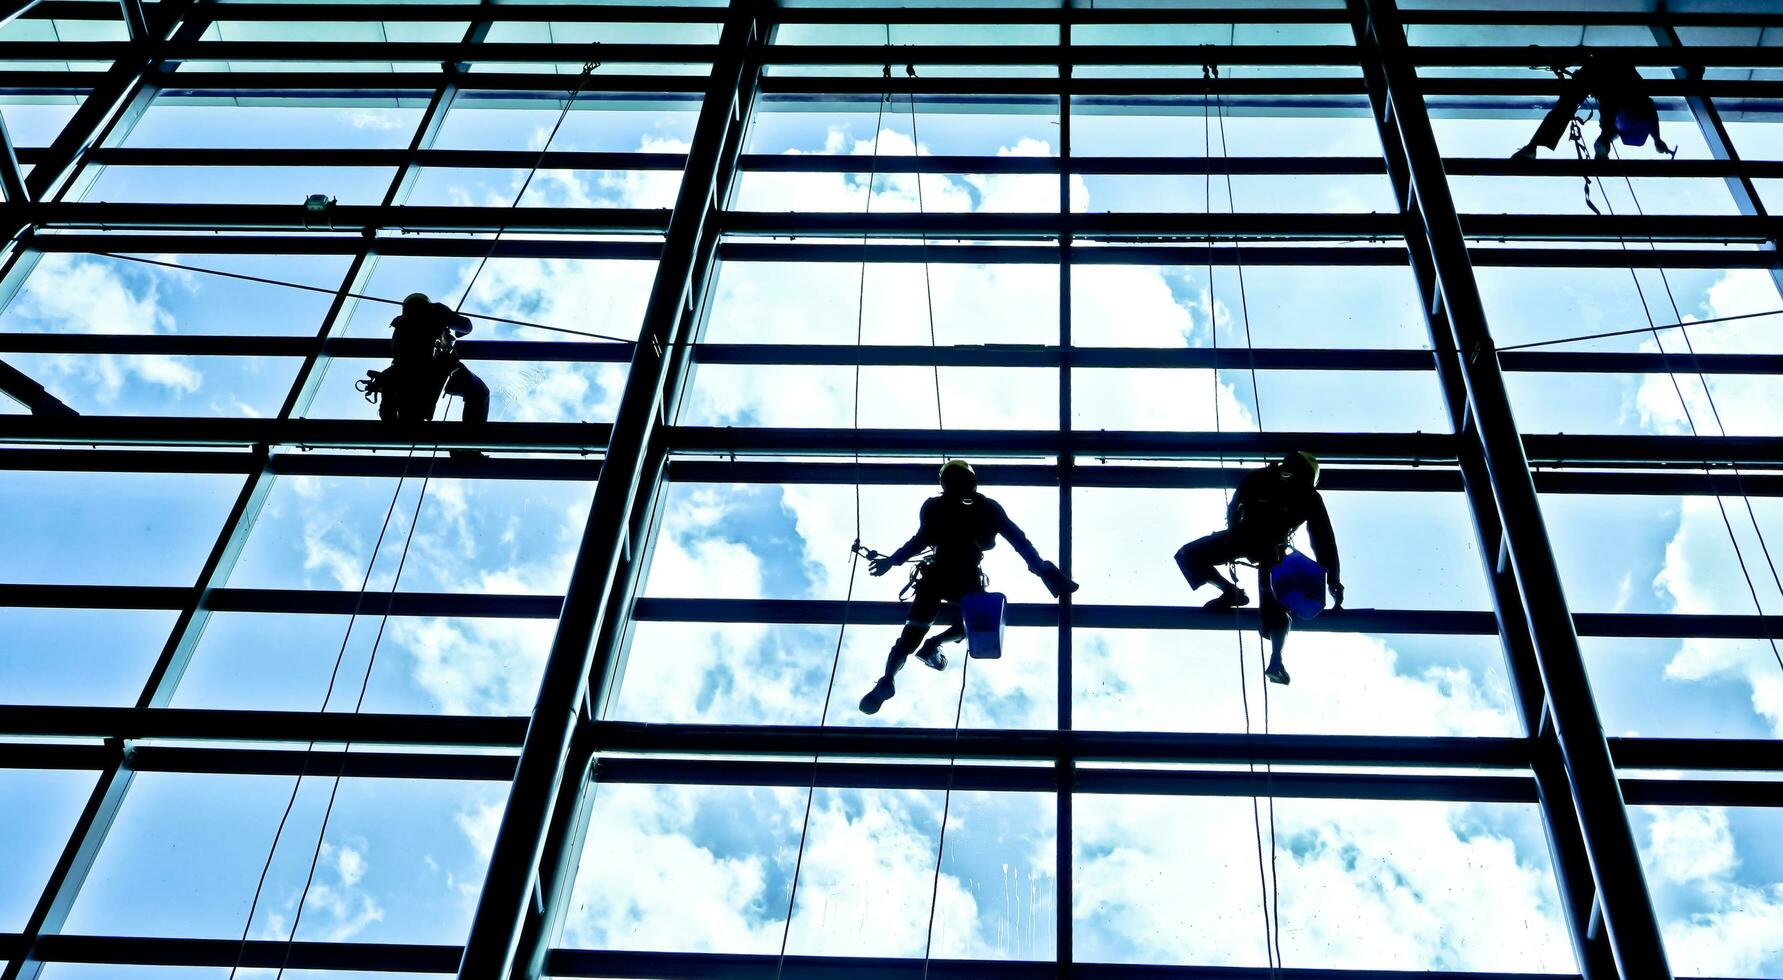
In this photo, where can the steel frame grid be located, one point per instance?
(511, 928)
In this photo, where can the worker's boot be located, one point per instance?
(881, 693)
(1275, 673)
(1230, 599)
(930, 654)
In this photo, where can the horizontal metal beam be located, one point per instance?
(150, 156)
(913, 355)
(1748, 15)
(341, 218)
(1045, 779)
(1152, 254)
(58, 721)
(1123, 55)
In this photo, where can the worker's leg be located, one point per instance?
(1572, 95)
(475, 393)
(923, 607)
(1200, 562)
(1275, 627)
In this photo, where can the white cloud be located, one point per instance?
(1715, 924)
(73, 294)
(1363, 885)
(1690, 843)
(1701, 572)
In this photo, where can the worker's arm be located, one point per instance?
(453, 320)
(1055, 580)
(1324, 546)
(917, 542)
(1241, 496)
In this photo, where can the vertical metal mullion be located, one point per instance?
(1063, 768)
(566, 835)
(12, 179)
(1458, 320)
(630, 478)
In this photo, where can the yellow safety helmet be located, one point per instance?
(958, 477)
(1303, 462)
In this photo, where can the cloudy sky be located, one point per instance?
(1363, 884)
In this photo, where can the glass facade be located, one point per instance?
(288, 689)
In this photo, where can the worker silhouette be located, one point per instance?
(424, 366)
(1270, 504)
(1624, 109)
(956, 528)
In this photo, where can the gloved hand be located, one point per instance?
(1336, 595)
(879, 566)
(1055, 580)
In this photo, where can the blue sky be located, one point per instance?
(1363, 884)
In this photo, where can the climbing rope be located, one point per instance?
(1690, 420)
(333, 678)
(349, 294)
(383, 622)
(1269, 887)
(1639, 330)
(855, 552)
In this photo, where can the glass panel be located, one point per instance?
(472, 536)
(102, 294)
(947, 126)
(242, 185)
(402, 860)
(1286, 306)
(1127, 126)
(79, 656)
(111, 528)
(38, 808)
(524, 124)
(1663, 554)
(1125, 539)
(1297, 401)
(890, 397)
(573, 297)
(163, 384)
(1363, 884)
(362, 124)
(1693, 688)
(1717, 880)
(865, 881)
(760, 674)
(36, 124)
(751, 541)
(1188, 681)
(822, 303)
(278, 662)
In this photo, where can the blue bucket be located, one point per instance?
(982, 612)
(1299, 584)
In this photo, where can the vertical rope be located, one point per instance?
(860, 311)
(1210, 74)
(1690, 420)
(1250, 351)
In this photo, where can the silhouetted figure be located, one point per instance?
(956, 527)
(1269, 506)
(1624, 109)
(424, 366)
